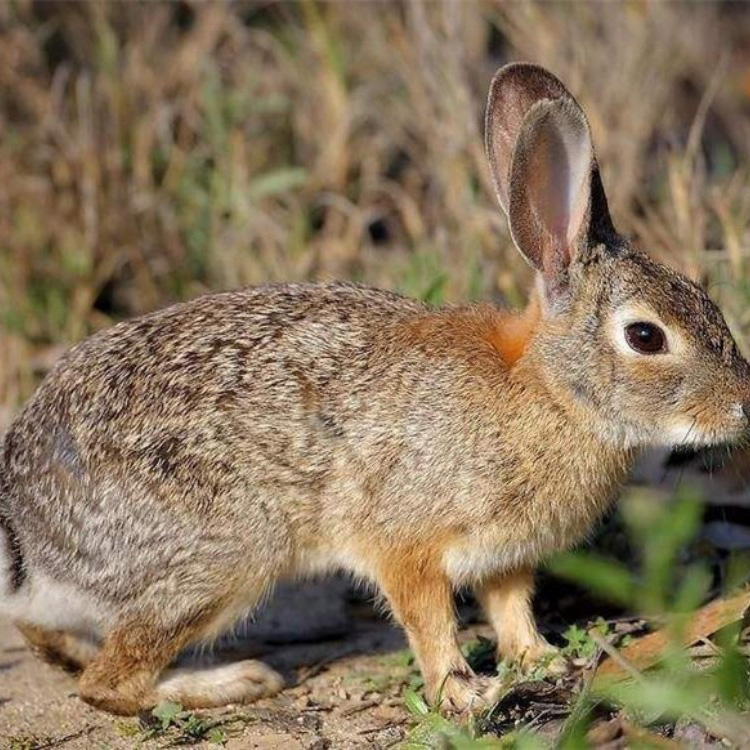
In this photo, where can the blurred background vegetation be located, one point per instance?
(154, 151)
(151, 152)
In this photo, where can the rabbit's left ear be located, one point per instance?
(543, 168)
(514, 90)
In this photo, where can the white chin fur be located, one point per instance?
(687, 434)
(681, 433)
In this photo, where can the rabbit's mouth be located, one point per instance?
(691, 431)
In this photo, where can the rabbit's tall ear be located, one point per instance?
(543, 169)
(513, 92)
(549, 188)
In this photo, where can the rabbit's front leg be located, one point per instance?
(421, 598)
(506, 600)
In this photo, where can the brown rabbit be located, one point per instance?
(170, 469)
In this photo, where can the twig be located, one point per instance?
(67, 738)
(640, 735)
(649, 649)
(615, 655)
(307, 672)
(383, 727)
(362, 706)
(543, 714)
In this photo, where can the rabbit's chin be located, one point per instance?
(685, 432)
(682, 433)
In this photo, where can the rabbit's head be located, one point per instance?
(639, 348)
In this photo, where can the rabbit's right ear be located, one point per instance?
(543, 169)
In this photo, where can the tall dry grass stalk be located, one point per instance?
(151, 152)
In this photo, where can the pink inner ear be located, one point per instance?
(550, 186)
(557, 197)
(547, 189)
(563, 161)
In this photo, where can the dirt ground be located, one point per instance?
(346, 668)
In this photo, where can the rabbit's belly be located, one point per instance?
(485, 553)
(330, 559)
(57, 606)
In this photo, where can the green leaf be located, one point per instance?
(658, 697)
(217, 736)
(167, 712)
(573, 734)
(661, 529)
(693, 588)
(415, 704)
(435, 292)
(599, 574)
(732, 673)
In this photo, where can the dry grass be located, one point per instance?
(153, 151)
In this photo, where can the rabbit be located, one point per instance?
(169, 470)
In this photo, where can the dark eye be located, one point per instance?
(645, 338)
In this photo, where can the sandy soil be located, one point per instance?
(345, 687)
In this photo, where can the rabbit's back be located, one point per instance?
(205, 356)
(153, 447)
(209, 369)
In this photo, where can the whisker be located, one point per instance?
(685, 439)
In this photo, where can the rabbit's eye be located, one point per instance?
(645, 338)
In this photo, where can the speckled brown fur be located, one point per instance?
(171, 469)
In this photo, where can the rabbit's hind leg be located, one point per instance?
(130, 673)
(66, 650)
(122, 678)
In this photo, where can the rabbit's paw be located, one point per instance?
(466, 693)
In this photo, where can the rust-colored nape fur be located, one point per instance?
(513, 331)
(465, 331)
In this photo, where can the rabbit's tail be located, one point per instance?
(12, 564)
